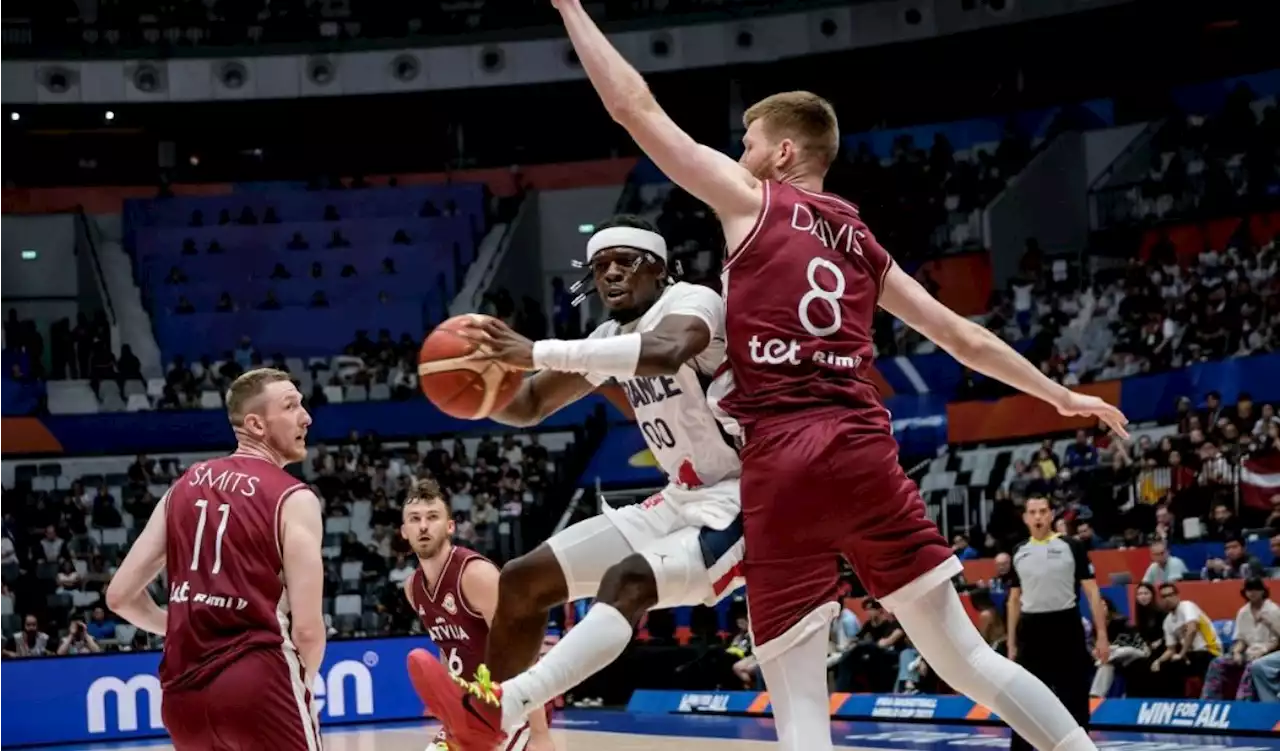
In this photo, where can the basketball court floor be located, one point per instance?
(602, 730)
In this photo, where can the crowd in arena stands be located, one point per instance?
(79, 350)
(1210, 163)
(385, 367)
(60, 547)
(906, 198)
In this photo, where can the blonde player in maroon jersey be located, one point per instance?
(455, 593)
(239, 539)
(820, 475)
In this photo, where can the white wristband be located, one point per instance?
(614, 356)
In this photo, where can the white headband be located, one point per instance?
(627, 237)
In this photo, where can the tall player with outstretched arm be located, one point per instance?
(239, 539)
(663, 343)
(820, 474)
(455, 593)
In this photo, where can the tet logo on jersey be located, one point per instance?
(449, 605)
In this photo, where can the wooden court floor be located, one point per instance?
(597, 730)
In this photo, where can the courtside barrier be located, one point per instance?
(116, 697)
(1172, 715)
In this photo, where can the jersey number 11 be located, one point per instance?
(225, 510)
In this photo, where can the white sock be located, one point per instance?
(599, 639)
(938, 626)
(797, 685)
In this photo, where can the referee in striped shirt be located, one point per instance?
(1046, 633)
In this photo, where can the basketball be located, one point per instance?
(458, 386)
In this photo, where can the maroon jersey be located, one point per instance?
(459, 631)
(800, 293)
(225, 571)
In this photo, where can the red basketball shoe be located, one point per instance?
(471, 712)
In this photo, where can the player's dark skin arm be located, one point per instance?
(541, 395)
(663, 350)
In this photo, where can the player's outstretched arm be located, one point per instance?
(302, 533)
(127, 593)
(542, 395)
(709, 175)
(684, 332)
(985, 352)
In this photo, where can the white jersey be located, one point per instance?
(678, 424)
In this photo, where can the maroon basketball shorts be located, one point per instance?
(817, 485)
(259, 701)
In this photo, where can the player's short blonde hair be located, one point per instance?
(248, 387)
(802, 116)
(426, 490)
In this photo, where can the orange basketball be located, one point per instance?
(460, 387)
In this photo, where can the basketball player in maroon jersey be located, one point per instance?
(820, 475)
(455, 593)
(239, 539)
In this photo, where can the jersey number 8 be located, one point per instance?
(816, 293)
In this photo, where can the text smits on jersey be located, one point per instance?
(227, 480)
(780, 352)
(181, 592)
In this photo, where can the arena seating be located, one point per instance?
(302, 271)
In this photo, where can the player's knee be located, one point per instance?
(533, 581)
(630, 586)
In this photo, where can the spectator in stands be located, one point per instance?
(67, 579)
(1190, 641)
(1165, 567)
(29, 642)
(1237, 563)
(331, 213)
(337, 240)
(270, 216)
(225, 304)
(990, 620)
(1128, 649)
(961, 547)
(100, 626)
(51, 545)
(1275, 556)
(78, 641)
(189, 247)
(105, 513)
(874, 658)
(8, 553)
(1223, 524)
(1086, 537)
(1257, 633)
(401, 238)
(298, 242)
(129, 367)
(1081, 454)
(184, 306)
(1167, 528)
(737, 653)
(175, 276)
(215, 248)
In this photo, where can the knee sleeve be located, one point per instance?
(585, 551)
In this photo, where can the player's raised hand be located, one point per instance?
(1083, 405)
(499, 343)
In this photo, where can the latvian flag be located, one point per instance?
(1259, 480)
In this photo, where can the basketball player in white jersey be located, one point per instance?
(682, 546)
